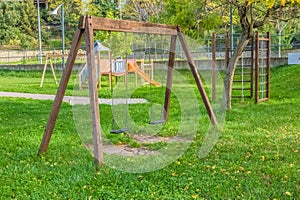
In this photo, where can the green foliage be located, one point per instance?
(119, 43)
(72, 11)
(18, 24)
(141, 10)
(102, 8)
(196, 18)
(211, 21)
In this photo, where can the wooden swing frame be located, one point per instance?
(87, 25)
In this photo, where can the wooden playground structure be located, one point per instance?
(117, 68)
(253, 69)
(49, 57)
(89, 24)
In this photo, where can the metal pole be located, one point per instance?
(63, 35)
(231, 30)
(120, 9)
(39, 32)
(214, 60)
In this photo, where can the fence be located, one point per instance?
(15, 56)
(203, 52)
(25, 57)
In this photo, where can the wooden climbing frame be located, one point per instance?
(262, 68)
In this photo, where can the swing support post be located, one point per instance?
(169, 77)
(198, 81)
(94, 104)
(61, 91)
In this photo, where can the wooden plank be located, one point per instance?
(170, 77)
(53, 72)
(262, 100)
(44, 71)
(263, 39)
(268, 65)
(256, 67)
(227, 51)
(198, 81)
(238, 97)
(60, 92)
(241, 81)
(99, 72)
(93, 93)
(81, 24)
(252, 67)
(132, 26)
(241, 88)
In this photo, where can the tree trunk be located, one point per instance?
(228, 80)
(247, 31)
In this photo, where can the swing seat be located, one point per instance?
(158, 122)
(118, 131)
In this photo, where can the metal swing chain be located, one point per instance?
(151, 93)
(126, 128)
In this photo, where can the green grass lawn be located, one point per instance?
(256, 157)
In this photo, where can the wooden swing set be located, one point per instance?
(87, 25)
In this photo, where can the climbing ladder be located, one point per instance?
(242, 86)
(219, 45)
(262, 68)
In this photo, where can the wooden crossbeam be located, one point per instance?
(106, 24)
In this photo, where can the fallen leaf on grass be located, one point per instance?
(287, 193)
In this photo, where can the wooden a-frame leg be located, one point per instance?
(44, 71)
(99, 72)
(94, 105)
(169, 77)
(53, 72)
(198, 81)
(61, 91)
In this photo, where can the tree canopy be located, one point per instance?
(18, 20)
(18, 24)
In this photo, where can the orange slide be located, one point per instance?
(133, 67)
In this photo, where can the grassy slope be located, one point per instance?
(256, 157)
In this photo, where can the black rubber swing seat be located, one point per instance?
(158, 122)
(118, 131)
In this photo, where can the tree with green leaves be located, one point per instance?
(142, 10)
(72, 12)
(102, 8)
(203, 15)
(253, 15)
(105, 9)
(196, 17)
(18, 24)
(72, 9)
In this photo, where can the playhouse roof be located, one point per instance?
(99, 47)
